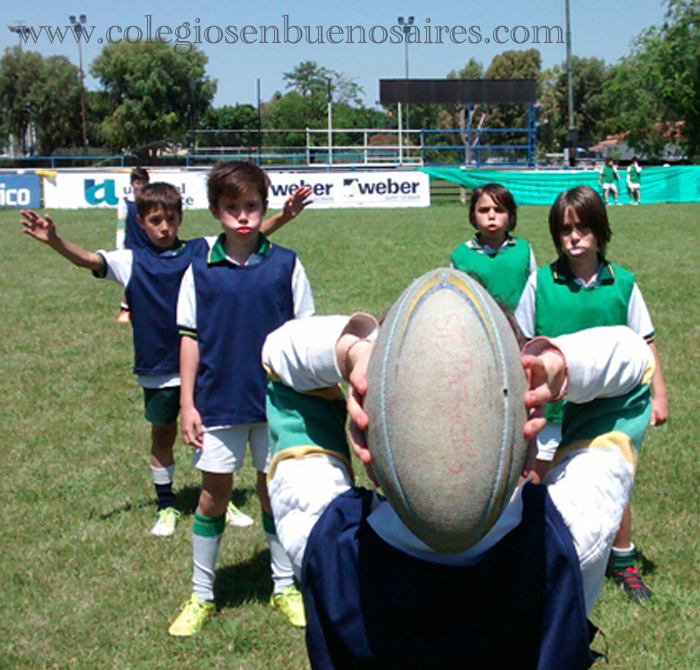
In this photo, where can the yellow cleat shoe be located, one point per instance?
(193, 615)
(166, 521)
(124, 316)
(291, 604)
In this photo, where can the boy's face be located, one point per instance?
(161, 226)
(577, 240)
(490, 218)
(137, 185)
(240, 217)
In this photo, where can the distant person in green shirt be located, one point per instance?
(634, 181)
(582, 290)
(500, 261)
(607, 178)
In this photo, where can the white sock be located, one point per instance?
(280, 565)
(163, 475)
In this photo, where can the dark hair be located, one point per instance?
(589, 210)
(233, 178)
(139, 174)
(158, 194)
(501, 196)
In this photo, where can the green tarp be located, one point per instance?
(535, 187)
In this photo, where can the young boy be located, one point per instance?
(608, 176)
(151, 277)
(130, 235)
(376, 595)
(230, 299)
(580, 290)
(634, 179)
(502, 262)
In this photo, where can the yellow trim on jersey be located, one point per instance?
(648, 374)
(296, 453)
(615, 438)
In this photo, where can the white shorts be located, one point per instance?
(223, 449)
(548, 440)
(633, 187)
(609, 186)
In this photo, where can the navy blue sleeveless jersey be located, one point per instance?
(152, 294)
(237, 307)
(369, 605)
(135, 237)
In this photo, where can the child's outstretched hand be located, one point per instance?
(41, 228)
(295, 204)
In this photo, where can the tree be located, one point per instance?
(238, 123)
(39, 102)
(153, 92)
(594, 117)
(662, 82)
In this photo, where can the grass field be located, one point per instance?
(84, 585)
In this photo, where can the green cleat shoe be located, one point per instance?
(291, 604)
(166, 520)
(193, 615)
(234, 517)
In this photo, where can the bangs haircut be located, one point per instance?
(139, 174)
(158, 194)
(232, 178)
(501, 196)
(588, 209)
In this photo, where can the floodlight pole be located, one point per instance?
(406, 27)
(330, 123)
(572, 135)
(21, 30)
(78, 27)
(259, 124)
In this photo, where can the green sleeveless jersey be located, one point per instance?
(634, 175)
(504, 274)
(609, 175)
(562, 306)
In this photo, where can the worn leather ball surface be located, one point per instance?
(446, 410)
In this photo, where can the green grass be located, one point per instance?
(84, 584)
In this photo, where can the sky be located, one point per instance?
(599, 28)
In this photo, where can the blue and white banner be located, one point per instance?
(331, 190)
(20, 190)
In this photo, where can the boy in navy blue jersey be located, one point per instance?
(151, 278)
(130, 235)
(230, 299)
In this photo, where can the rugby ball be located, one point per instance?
(446, 410)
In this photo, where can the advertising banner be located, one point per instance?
(100, 188)
(20, 190)
(78, 189)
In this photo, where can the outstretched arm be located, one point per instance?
(293, 206)
(44, 230)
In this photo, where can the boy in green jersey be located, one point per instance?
(500, 261)
(607, 178)
(580, 290)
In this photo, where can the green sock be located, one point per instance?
(620, 559)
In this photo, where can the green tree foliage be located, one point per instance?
(305, 105)
(512, 64)
(153, 93)
(593, 114)
(39, 102)
(238, 123)
(658, 87)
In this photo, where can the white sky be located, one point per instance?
(599, 28)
